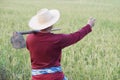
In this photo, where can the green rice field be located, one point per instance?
(96, 57)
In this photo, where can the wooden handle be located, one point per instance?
(34, 31)
(28, 32)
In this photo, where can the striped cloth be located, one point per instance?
(47, 70)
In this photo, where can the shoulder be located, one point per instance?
(29, 37)
(58, 35)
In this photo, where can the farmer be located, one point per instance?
(46, 48)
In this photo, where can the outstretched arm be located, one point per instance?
(69, 39)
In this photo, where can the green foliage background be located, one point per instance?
(96, 57)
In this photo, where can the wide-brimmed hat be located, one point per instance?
(44, 19)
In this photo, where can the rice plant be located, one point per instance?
(96, 57)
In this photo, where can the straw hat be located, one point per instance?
(44, 19)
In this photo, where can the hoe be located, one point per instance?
(18, 41)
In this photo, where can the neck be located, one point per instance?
(47, 30)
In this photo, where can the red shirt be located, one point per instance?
(46, 48)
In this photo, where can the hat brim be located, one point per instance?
(35, 25)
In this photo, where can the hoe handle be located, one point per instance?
(28, 32)
(34, 31)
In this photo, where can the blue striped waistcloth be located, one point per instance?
(47, 70)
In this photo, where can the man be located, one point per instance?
(46, 48)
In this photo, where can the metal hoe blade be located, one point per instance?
(18, 41)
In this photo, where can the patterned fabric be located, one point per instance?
(65, 78)
(47, 70)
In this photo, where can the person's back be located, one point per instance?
(44, 50)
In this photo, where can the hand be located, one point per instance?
(91, 21)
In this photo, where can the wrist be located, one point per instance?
(90, 25)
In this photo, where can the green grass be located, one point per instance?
(96, 57)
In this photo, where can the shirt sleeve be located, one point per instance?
(69, 39)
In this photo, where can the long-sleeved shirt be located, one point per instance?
(46, 48)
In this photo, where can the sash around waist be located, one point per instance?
(47, 70)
